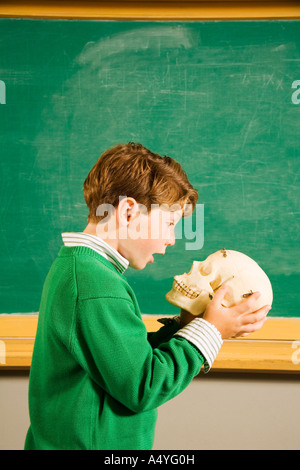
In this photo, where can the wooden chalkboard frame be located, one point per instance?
(276, 347)
(152, 10)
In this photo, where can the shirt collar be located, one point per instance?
(98, 245)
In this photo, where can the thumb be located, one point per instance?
(220, 294)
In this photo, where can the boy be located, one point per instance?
(96, 377)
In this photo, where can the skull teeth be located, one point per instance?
(185, 290)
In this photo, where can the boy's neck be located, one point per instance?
(95, 229)
(91, 229)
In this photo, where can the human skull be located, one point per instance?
(241, 274)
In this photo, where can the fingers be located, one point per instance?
(251, 328)
(253, 321)
(257, 316)
(238, 320)
(248, 304)
(248, 329)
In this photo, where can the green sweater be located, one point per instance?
(97, 377)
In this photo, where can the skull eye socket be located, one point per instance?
(203, 271)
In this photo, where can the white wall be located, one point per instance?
(216, 411)
(233, 411)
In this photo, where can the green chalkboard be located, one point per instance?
(223, 98)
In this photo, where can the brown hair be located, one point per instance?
(132, 170)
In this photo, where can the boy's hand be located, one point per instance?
(239, 320)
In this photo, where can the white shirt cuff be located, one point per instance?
(205, 337)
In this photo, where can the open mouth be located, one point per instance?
(185, 290)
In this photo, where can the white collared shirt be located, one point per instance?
(98, 245)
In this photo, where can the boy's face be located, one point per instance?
(149, 234)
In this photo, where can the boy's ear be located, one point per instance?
(127, 210)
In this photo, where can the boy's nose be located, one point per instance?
(171, 241)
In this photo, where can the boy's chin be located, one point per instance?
(142, 263)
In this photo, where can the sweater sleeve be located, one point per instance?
(109, 340)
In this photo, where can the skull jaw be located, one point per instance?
(193, 306)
